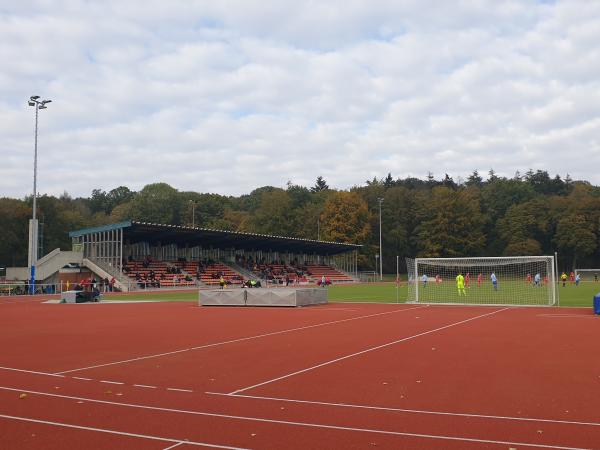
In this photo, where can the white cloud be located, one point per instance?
(229, 96)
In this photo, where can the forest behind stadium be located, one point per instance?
(529, 214)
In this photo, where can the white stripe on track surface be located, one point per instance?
(120, 433)
(342, 358)
(287, 422)
(232, 341)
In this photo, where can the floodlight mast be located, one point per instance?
(380, 200)
(33, 232)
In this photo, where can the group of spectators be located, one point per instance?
(275, 272)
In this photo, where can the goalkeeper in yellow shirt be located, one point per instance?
(460, 284)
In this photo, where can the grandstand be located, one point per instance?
(142, 255)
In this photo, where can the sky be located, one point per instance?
(227, 96)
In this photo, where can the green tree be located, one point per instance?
(576, 237)
(524, 226)
(14, 223)
(320, 185)
(274, 214)
(451, 224)
(156, 203)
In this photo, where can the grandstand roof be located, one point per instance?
(135, 231)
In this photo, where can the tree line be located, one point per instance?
(529, 214)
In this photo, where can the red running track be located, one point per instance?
(364, 376)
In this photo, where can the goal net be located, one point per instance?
(588, 274)
(522, 280)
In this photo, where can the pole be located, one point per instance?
(34, 231)
(556, 290)
(193, 215)
(318, 228)
(380, 247)
(397, 279)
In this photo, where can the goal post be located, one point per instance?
(514, 280)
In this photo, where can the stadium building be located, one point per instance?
(139, 255)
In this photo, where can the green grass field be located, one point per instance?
(386, 293)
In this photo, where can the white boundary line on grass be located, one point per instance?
(332, 361)
(158, 355)
(286, 422)
(411, 411)
(120, 433)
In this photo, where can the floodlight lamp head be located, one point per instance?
(34, 97)
(42, 107)
(31, 103)
(46, 101)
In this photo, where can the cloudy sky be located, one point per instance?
(226, 96)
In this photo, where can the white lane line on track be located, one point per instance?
(173, 446)
(158, 355)
(33, 371)
(342, 358)
(91, 379)
(291, 423)
(560, 316)
(120, 433)
(411, 411)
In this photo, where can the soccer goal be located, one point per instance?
(588, 274)
(519, 280)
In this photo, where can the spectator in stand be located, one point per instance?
(111, 284)
(323, 281)
(222, 282)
